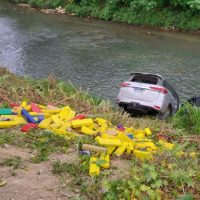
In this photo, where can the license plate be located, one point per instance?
(139, 90)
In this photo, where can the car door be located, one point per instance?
(174, 96)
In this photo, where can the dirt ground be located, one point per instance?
(32, 181)
(36, 181)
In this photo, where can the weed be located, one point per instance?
(6, 137)
(188, 117)
(79, 171)
(60, 93)
(150, 180)
(167, 174)
(72, 168)
(12, 162)
(186, 197)
(45, 143)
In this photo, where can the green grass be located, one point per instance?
(12, 162)
(88, 188)
(173, 177)
(166, 14)
(45, 143)
(188, 118)
(73, 169)
(164, 17)
(167, 175)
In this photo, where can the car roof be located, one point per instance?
(147, 74)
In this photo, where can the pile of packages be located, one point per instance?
(108, 139)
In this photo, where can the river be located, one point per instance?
(93, 54)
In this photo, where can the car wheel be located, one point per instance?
(166, 115)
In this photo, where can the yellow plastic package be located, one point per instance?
(94, 169)
(20, 120)
(166, 145)
(130, 147)
(7, 124)
(108, 142)
(123, 137)
(45, 123)
(83, 122)
(88, 131)
(145, 145)
(108, 136)
(67, 113)
(55, 111)
(101, 121)
(143, 155)
(148, 131)
(120, 150)
(106, 161)
(110, 150)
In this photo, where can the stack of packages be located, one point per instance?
(108, 140)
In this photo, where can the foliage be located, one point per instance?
(181, 14)
(169, 174)
(153, 179)
(159, 13)
(45, 143)
(6, 138)
(12, 162)
(71, 168)
(186, 197)
(188, 117)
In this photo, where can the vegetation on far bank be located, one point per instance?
(169, 176)
(178, 14)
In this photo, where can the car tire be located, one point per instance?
(166, 115)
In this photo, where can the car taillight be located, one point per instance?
(156, 107)
(159, 89)
(124, 84)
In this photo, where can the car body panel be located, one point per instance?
(150, 91)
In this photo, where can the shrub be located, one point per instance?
(188, 117)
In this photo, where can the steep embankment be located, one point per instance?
(173, 14)
(50, 160)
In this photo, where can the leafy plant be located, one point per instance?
(72, 168)
(12, 162)
(186, 197)
(45, 143)
(188, 117)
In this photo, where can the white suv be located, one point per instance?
(145, 93)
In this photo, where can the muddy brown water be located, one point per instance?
(94, 54)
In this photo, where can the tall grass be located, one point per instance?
(188, 117)
(16, 89)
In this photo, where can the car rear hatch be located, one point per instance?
(142, 87)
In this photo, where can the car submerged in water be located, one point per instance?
(147, 93)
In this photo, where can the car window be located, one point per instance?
(145, 79)
(171, 89)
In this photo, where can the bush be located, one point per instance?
(181, 14)
(188, 117)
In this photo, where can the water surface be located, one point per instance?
(94, 54)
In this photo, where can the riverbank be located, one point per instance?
(163, 16)
(56, 170)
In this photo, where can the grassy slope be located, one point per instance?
(60, 93)
(167, 176)
(166, 17)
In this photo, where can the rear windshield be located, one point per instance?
(145, 79)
